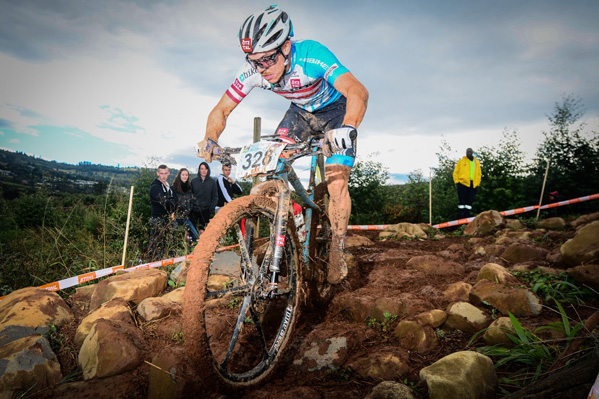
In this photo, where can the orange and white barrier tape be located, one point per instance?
(83, 278)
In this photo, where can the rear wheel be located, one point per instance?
(237, 324)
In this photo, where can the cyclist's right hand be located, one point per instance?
(205, 149)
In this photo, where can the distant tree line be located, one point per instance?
(508, 180)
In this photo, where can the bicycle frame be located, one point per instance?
(285, 173)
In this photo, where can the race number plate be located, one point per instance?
(257, 158)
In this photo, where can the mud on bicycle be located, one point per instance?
(245, 290)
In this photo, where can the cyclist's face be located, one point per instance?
(274, 72)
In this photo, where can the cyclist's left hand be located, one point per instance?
(205, 149)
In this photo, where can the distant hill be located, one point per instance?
(23, 174)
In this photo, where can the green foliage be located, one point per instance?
(561, 287)
(385, 326)
(340, 374)
(367, 191)
(530, 356)
(573, 154)
(178, 337)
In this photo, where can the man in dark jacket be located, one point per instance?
(163, 207)
(227, 187)
(205, 196)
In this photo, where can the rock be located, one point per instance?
(175, 296)
(360, 308)
(507, 236)
(497, 273)
(414, 336)
(218, 282)
(380, 365)
(584, 247)
(586, 275)
(485, 224)
(34, 307)
(158, 307)
(465, 317)
(26, 363)
(520, 252)
(434, 265)
(132, 286)
(85, 291)
(457, 292)
(518, 301)
(321, 350)
(585, 219)
(356, 241)
(110, 348)
(164, 382)
(463, 375)
(392, 390)
(551, 224)
(115, 309)
(402, 230)
(287, 393)
(434, 318)
(496, 333)
(514, 224)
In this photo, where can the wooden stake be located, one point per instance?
(542, 191)
(430, 198)
(127, 228)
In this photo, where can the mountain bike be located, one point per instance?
(237, 328)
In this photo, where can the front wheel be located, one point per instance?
(237, 323)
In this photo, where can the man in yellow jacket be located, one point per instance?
(466, 176)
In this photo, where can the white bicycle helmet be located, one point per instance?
(265, 30)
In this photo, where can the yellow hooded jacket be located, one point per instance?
(461, 173)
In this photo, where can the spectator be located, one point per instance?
(205, 196)
(163, 207)
(227, 187)
(184, 193)
(466, 176)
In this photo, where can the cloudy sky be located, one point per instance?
(126, 82)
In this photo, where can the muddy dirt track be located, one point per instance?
(380, 271)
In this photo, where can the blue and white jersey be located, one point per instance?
(308, 84)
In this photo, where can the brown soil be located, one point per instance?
(418, 292)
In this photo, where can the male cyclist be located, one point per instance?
(324, 96)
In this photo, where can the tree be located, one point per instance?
(503, 171)
(367, 190)
(573, 157)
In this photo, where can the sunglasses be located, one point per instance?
(264, 62)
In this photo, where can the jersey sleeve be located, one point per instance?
(320, 61)
(244, 82)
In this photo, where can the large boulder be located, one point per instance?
(34, 307)
(110, 348)
(518, 301)
(585, 219)
(586, 275)
(584, 247)
(329, 345)
(400, 230)
(552, 224)
(465, 317)
(520, 252)
(115, 309)
(386, 364)
(359, 308)
(485, 224)
(155, 308)
(496, 273)
(26, 361)
(133, 286)
(463, 375)
(415, 336)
